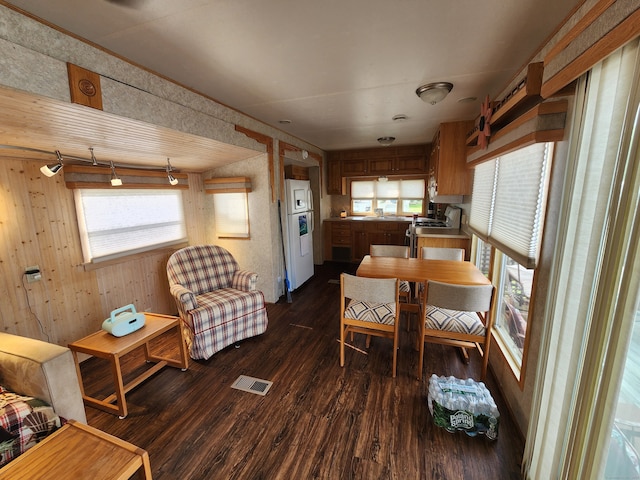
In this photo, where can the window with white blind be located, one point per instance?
(231, 213)
(394, 197)
(114, 223)
(507, 213)
(508, 201)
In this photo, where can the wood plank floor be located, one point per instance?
(318, 420)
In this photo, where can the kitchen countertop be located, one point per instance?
(370, 219)
(433, 232)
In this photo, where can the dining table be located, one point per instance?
(422, 270)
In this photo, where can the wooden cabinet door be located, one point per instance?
(336, 184)
(415, 164)
(449, 159)
(354, 167)
(359, 242)
(381, 166)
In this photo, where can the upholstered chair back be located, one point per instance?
(202, 268)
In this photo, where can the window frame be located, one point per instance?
(496, 275)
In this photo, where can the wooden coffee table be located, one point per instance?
(80, 452)
(104, 345)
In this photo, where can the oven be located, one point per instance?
(449, 225)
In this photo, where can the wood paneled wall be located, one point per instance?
(38, 227)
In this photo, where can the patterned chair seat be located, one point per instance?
(383, 313)
(454, 321)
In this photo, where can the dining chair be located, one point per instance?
(397, 251)
(439, 253)
(457, 315)
(442, 253)
(370, 306)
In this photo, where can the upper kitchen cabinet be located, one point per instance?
(400, 161)
(448, 172)
(403, 160)
(336, 183)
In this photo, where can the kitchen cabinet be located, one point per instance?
(337, 240)
(336, 183)
(350, 240)
(446, 241)
(448, 172)
(403, 160)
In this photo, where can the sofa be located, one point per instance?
(218, 302)
(37, 379)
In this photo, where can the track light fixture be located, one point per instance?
(172, 180)
(115, 180)
(51, 170)
(94, 162)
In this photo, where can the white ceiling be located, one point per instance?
(338, 69)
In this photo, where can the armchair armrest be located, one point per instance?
(244, 280)
(185, 297)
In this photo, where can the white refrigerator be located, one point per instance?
(299, 222)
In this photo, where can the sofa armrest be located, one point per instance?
(42, 370)
(184, 297)
(244, 280)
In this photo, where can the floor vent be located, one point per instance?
(252, 385)
(334, 281)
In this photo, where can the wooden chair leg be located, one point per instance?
(342, 335)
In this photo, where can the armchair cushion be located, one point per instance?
(218, 303)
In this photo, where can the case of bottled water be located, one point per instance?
(463, 405)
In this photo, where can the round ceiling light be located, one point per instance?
(434, 92)
(386, 141)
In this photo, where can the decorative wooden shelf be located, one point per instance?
(522, 98)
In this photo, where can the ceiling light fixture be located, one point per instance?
(172, 180)
(51, 170)
(386, 141)
(115, 180)
(434, 92)
(401, 117)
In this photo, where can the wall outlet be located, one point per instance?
(33, 273)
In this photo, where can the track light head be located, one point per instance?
(51, 170)
(115, 180)
(172, 180)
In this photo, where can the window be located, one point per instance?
(114, 223)
(508, 201)
(513, 296)
(394, 197)
(231, 213)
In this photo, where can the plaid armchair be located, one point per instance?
(217, 302)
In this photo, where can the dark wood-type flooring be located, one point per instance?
(318, 420)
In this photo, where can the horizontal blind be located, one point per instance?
(115, 222)
(412, 188)
(362, 189)
(389, 189)
(518, 211)
(231, 214)
(482, 198)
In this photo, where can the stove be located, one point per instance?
(450, 225)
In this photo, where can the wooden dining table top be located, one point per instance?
(419, 270)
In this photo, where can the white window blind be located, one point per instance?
(231, 213)
(515, 217)
(484, 185)
(362, 189)
(389, 189)
(114, 223)
(412, 189)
